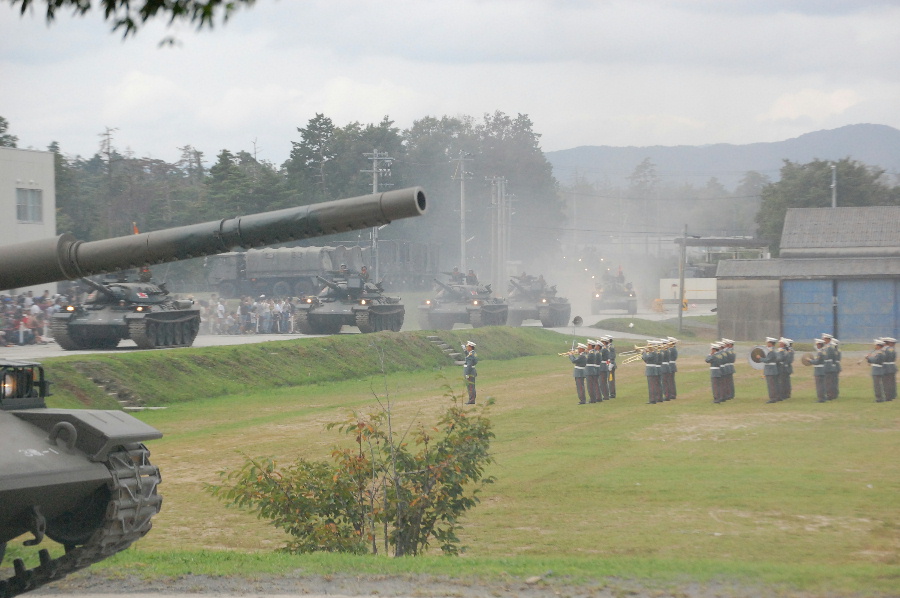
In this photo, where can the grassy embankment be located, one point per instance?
(798, 493)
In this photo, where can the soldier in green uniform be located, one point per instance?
(592, 372)
(715, 359)
(818, 363)
(787, 368)
(832, 367)
(876, 360)
(771, 369)
(728, 368)
(651, 371)
(673, 367)
(890, 369)
(602, 371)
(664, 370)
(469, 373)
(579, 361)
(608, 343)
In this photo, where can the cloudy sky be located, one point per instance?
(614, 72)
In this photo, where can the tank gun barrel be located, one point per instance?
(329, 283)
(99, 287)
(66, 258)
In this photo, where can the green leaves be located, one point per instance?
(410, 491)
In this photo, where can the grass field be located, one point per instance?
(798, 493)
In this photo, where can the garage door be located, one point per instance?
(866, 309)
(807, 308)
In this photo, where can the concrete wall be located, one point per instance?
(26, 169)
(695, 289)
(749, 309)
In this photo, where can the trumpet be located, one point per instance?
(568, 353)
(633, 358)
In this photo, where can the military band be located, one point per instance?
(595, 367)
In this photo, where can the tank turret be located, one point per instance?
(457, 303)
(142, 310)
(530, 298)
(82, 477)
(349, 300)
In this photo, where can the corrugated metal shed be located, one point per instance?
(797, 268)
(860, 231)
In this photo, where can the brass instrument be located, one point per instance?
(807, 359)
(568, 353)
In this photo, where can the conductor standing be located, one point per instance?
(469, 373)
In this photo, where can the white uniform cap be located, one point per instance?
(470, 344)
(819, 340)
(878, 341)
(835, 341)
(582, 346)
(672, 339)
(715, 345)
(888, 339)
(789, 341)
(727, 341)
(825, 335)
(592, 342)
(769, 339)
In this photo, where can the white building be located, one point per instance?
(27, 200)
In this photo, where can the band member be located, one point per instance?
(715, 359)
(890, 369)
(787, 368)
(592, 371)
(673, 367)
(818, 363)
(876, 360)
(469, 373)
(608, 342)
(771, 369)
(603, 372)
(832, 367)
(728, 368)
(651, 371)
(664, 370)
(579, 361)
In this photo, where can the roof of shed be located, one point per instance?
(838, 267)
(874, 226)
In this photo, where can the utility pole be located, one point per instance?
(681, 278)
(461, 175)
(375, 156)
(833, 186)
(499, 230)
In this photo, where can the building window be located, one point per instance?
(30, 205)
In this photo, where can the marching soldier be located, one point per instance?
(651, 371)
(787, 368)
(715, 359)
(602, 371)
(592, 371)
(664, 370)
(890, 369)
(673, 367)
(832, 367)
(728, 358)
(579, 361)
(469, 373)
(876, 360)
(771, 369)
(818, 363)
(608, 343)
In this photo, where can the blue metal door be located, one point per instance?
(807, 308)
(866, 309)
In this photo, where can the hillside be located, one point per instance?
(877, 145)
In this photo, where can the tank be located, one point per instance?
(142, 311)
(613, 293)
(348, 300)
(459, 303)
(82, 477)
(531, 298)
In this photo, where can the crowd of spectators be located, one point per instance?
(25, 319)
(263, 315)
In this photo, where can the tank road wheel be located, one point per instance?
(366, 322)
(477, 319)
(301, 322)
(326, 327)
(281, 289)
(397, 322)
(60, 331)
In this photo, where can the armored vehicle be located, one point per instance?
(82, 477)
(348, 299)
(464, 304)
(119, 310)
(613, 294)
(530, 298)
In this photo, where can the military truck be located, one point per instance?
(457, 303)
(83, 477)
(531, 298)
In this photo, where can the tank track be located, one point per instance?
(152, 334)
(60, 331)
(301, 322)
(375, 321)
(133, 502)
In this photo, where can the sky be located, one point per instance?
(605, 72)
